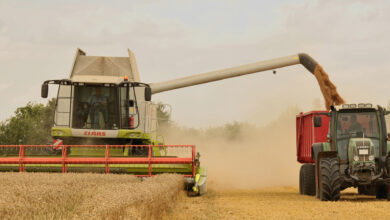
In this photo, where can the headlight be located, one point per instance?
(59, 132)
(355, 158)
(371, 157)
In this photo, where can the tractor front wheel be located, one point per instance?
(329, 179)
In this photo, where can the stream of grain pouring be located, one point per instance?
(328, 89)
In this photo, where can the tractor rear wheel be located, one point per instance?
(329, 179)
(382, 191)
(307, 181)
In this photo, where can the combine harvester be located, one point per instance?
(105, 122)
(345, 147)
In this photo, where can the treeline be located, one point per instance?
(30, 125)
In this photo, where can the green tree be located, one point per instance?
(30, 125)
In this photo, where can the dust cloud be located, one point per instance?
(328, 89)
(241, 155)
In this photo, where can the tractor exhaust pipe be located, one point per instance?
(261, 66)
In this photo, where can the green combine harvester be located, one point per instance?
(105, 122)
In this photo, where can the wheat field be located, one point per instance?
(86, 196)
(99, 196)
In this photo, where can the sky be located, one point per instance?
(177, 38)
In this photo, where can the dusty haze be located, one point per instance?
(246, 156)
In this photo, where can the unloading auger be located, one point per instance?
(308, 62)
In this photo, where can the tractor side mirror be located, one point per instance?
(317, 121)
(44, 90)
(148, 94)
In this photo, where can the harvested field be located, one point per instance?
(86, 196)
(277, 203)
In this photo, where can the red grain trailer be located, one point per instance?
(312, 127)
(308, 134)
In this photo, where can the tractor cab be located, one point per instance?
(351, 126)
(358, 135)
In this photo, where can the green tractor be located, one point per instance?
(355, 154)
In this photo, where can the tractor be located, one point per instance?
(345, 147)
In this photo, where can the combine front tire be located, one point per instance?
(307, 181)
(329, 179)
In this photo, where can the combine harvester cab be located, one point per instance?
(105, 122)
(347, 146)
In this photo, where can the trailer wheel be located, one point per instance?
(381, 191)
(329, 179)
(307, 182)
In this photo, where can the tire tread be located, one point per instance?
(330, 179)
